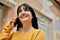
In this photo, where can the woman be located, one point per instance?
(27, 27)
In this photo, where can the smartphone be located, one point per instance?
(15, 23)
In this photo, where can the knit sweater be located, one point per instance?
(34, 34)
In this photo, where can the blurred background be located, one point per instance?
(47, 12)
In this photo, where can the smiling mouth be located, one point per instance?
(23, 16)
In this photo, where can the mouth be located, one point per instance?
(23, 16)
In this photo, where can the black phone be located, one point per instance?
(15, 23)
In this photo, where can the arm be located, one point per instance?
(5, 34)
(41, 36)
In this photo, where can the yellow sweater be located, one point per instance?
(35, 34)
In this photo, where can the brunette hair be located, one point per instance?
(34, 19)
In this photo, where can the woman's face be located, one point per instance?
(25, 15)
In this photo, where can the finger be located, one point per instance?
(13, 18)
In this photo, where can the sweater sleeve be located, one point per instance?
(40, 36)
(5, 34)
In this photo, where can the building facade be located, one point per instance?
(47, 13)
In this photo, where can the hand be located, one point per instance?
(11, 21)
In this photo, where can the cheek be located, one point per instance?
(31, 16)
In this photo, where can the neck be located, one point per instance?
(27, 26)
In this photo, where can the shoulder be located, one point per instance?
(39, 34)
(38, 30)
(14, 34)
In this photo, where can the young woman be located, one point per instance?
(27, 27)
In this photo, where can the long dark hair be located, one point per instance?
(34, 19)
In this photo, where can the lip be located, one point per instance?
(23, 16)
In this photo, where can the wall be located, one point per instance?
(36, 4)
(10, 12)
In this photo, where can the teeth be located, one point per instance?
(24, 16)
